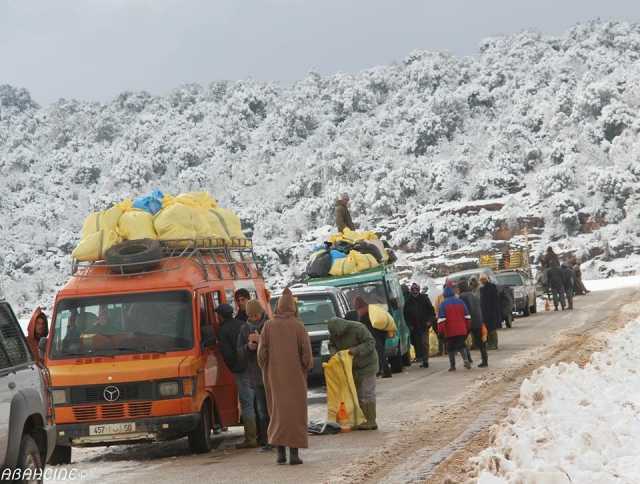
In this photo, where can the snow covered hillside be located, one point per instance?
(441, 154)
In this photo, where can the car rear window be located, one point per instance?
(13, 351)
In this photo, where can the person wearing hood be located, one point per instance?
(343, 216)
(284, 355)
(357, 339)
(38, 329)
(491, 310)
(472, 301)
(256, 405)
(420, 315)
(454, 322)
(380, 337)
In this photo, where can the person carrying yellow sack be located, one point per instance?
(379, 335)
(354, 337)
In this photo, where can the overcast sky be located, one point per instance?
(94, 49)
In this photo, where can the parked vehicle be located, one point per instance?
(317, 304)
(379, 285)
(27, 428)
(457, 277)
(524, 290)
(132, 348)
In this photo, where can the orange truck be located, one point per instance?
(132, 348)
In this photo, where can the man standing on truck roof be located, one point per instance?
(242, 297)
(343, 216)
(354, 337)
(362, 307)
(229, 334)
(419, 313)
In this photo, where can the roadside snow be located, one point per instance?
(612, 283)
(573, 424)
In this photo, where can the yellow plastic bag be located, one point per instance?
(230, 221)
(136, 224)
(192, 199)
(104, 220)
(341, 390)
(434, 344)
(354, 262)
(381, 319)
(92, 247)
(175, 222)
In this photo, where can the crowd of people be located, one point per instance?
(562, 280)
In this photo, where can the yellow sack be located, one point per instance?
(341, 391)
(381, 319)
(354, 262)
(412, 353)
(229, 221)
(136, 224)
(191, 199)
(92, 247)
(353, 236)
(434, 344)
(175, 222)
(104, 220)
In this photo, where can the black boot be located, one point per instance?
(294, 459)
(282, 455)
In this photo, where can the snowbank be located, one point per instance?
(573, 424)
(612, 283)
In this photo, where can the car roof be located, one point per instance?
(470, 271)
(304, 289)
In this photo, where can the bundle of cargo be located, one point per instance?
(349, 252)
(188, 218)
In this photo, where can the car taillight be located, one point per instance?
(46, 376)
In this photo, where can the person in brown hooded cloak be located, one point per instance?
(284, 354)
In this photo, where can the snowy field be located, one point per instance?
(572, 424)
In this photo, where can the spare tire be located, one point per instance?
(134, 256)
(366, 248)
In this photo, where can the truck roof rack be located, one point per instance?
(211, 254)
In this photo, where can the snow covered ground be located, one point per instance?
(573, 424)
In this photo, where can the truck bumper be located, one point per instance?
(150, 429)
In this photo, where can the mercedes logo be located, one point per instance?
(111, 394)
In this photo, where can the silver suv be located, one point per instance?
(524, 290)
(27, 429)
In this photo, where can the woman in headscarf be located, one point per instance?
(38, 329)
(284, 354)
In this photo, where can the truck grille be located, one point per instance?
(128, 391)
(84, 413)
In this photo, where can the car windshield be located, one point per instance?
(372, 293)
(121, 324)
(510, 279)
(316, 309)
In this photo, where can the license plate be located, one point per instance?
(114, 428)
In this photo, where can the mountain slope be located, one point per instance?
(439, 153)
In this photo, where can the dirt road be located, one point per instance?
(430, 420)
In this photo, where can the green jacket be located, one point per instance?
(353, 335)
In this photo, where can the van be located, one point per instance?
(381, 286)
(132, 348)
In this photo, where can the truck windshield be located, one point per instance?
(510, 279)
(372, 293)
(122, 324)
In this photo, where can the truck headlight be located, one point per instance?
(168, 389)
(59, 397)
(324, 348)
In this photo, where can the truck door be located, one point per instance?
(218, 380)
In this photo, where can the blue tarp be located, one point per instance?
(151, 203)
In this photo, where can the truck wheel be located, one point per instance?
(29, 457)
(61, 455)
(527, 309)
(200, 437)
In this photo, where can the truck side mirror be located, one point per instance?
(42, 348)
(208, 337)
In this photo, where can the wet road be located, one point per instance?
(411, 408)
